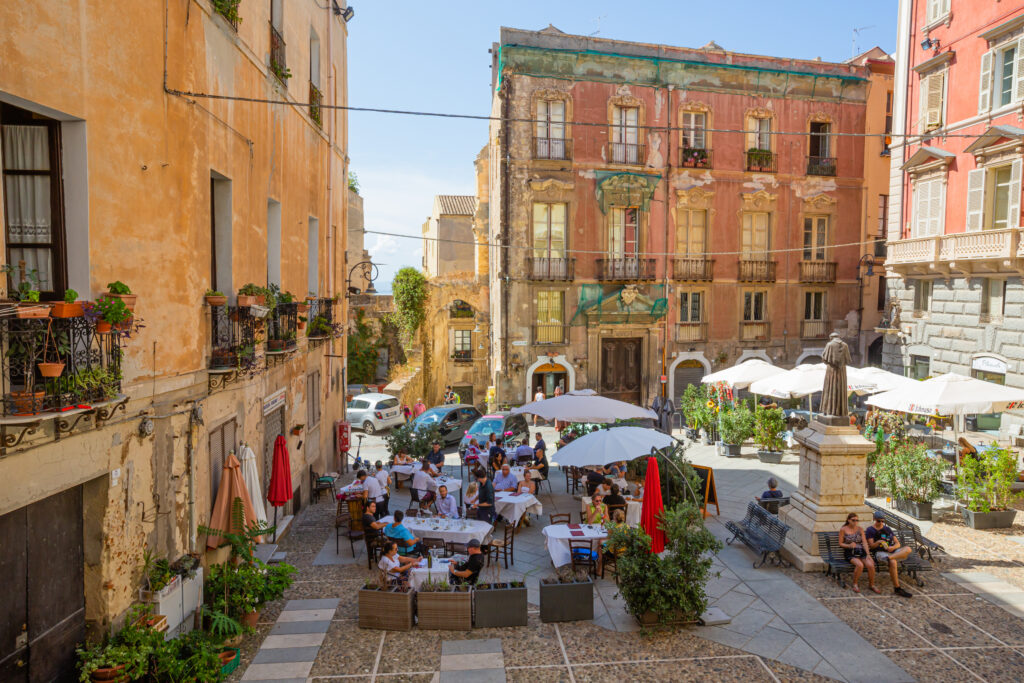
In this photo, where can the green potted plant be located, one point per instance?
(319, 327)
(119, 290)
(911, 476)
(251, 295)
(112, 311)
(693, 395)
(110, 662)
(499, 604)
(769, 426)
(737, 425)
(384, 607)
(668, 588)
(986, 485)
(215, 298)
(69, 308)
(442, 606)
(759, 159)
(26, 291)
(567, 598)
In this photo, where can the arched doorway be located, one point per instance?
(548, 376)
(875, 352)
(687, 372)
(813, 359)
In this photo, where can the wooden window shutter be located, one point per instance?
(1018, 72)
(976, 198)
(938, 206)
(1013, 207)
(934, 104)
(922, 104)
(985, 85)
(924, 208)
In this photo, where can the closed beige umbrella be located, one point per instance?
(232, 485)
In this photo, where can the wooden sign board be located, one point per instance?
(708, 492)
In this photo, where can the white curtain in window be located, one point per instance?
(26, 148)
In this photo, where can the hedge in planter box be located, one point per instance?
(499, 604)
(669, 588)
(737, 425)
(442, 606)
(986, 484)
(769, 426)
(912, 477)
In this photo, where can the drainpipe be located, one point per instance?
(343, 314)
(506, 95)
(667, 249)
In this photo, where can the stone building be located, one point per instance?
(658, 211)
(955, 254)
(448, 235)
(355, 245)
(118, 166)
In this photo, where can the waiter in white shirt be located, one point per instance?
(373, 490)
(384, 478)
(446, 505)
(425, 486)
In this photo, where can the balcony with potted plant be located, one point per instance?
(233, 344)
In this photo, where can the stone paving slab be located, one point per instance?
(324, 603)
(852, 656)
(269, 672)
(285, 654)
(291, 655)
(283, 628)
(469, 647)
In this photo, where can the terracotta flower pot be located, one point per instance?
(226, 656)
(250, 619)
(216, 300)
(27, 402)
(128, 299)
(261, 299)
(102, 326)
(247, 300)
(302, 307)
(66, 310)
(50, 369)
(33, 310)
(109, 673)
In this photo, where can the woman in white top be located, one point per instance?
(472, 494)
(526, 485)
(539, 396)
(394, 566)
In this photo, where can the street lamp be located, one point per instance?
(368, 270)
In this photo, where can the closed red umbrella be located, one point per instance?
(280, 490)
(652, 507)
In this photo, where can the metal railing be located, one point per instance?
(694, 157)
(552, 148)
(699, 269)
(625, 268)
(817, 271)
(232, 337)
(814, 329)
(755, 330)
(278, 63)
(91, 359)
(821, 166)
(550, 268)
(321, 319)
(462, 355)
(549, 333)
(756, 270)
(282, 327)
(762, 161)
(315, 100)
(691, 332)
(628, 153)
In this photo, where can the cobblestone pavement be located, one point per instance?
(946, 632)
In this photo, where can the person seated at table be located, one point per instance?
(605, 487)
(505, 480)
(403, 458)
(394, 566)
(597, 511)
(595, 477)
(773, 489)
(527, 485)
(371, 487)
(446, 505)
(473, 452)
(408, 544)
(857, 552)
(614, 499)
(371, 525)
(524, 453)
(469, 571)
(540, 462)
(496, 457)
(472, 494)
(435, 457)
(485, 500)
(887, 547)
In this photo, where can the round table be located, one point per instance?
(449, 530)
(559, 535)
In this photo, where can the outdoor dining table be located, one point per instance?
(437, 572)
(513, 505)
(633, 508)
(449, 530)
(559, 535)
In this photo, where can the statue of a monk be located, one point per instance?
(833, 396)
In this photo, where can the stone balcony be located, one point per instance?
(985, 251)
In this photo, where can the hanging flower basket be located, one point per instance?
(50, 369)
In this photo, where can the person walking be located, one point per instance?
(539, 396)
(419, 408)
(406, 412)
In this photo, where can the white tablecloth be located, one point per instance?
(438, 572)
(450, 530)
(512, 506)
(558, 537)
(633, 509)
(406, 470)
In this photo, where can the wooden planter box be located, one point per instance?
(500, 605)
(772, 457)
(997, 519)
(448, 611)
(566, 601)
(915, 509)
(388, 610)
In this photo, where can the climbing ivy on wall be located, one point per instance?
(409, 290)
(362, 351)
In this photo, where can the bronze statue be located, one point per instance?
(833, 396)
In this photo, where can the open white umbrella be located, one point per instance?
(883, 380)
(606, 446)
(581, 407)
(251, 478)
(950, 394)
(804, 380)
(742, 375)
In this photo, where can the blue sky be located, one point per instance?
(433, 57)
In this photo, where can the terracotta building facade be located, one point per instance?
(117, 166)
(955, 254)
(657, 213)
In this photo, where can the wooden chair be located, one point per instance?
(374, 550)
(609, 560)
(319, 483)
(438, 543)
(356, 530)
(582, 553)
(504, 547)
(561, 518)
(613, 508)
(341, 521)
(573, 476)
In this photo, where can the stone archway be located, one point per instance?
(754, 353)
(548, 360)
(810, 356)
(697, 356)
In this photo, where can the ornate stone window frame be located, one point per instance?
(761, 201)
(551, 95)
(821, 117)
(624, 98)
(695, 107)
(551, 191)
(694, 199)
(819, 204)
(758, 113)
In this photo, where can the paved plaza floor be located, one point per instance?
(964, 625)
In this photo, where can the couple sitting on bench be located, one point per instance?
(858, 545)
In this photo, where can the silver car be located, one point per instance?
(373, 412)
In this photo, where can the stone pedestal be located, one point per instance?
(833, 462)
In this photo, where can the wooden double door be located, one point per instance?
(621, 375)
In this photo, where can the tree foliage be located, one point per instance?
(362, 351)
(409, 439)
(353, 182)
(909, 473)
(409, 289)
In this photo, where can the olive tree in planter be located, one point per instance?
(769, 426)
(566, 598)
(442, 606)
(911, 476)
(693, 396)
(499, 604)
(885, 429)
(737, 426)
(986, 483)
(666, 588)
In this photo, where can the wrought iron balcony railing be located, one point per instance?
(814, 329)
(755, 330)
(550, 268)
(625, 268)
(550, 333)
(821, 166)
(552, 148)
(627, 153)
(278, 63)
(818, 271)
(282, 327)
(691, 332)
(762, 161)
(694, 157)
(757, 270)
(321, 323)
(462, 355)
(233, 337)
(315, 100)
(693, 269)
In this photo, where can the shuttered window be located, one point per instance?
(933, 89)
(551, 119)
(754, 306)
(549, 230)
(692, 232)
(1001, 77)
(937, 9)
(755, 236)
(993, 197)
(623, 232)
(691, 306)
(222, 442)
(815, 236)
(929, 207)
(814, 305)
(313, 399)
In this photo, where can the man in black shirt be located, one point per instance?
(540, 460)
(370, 523)
(615, 499)
(485, 497)
(468, 571)
(594, 479)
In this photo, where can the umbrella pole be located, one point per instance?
(275, 525)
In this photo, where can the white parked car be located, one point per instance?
(373, 412)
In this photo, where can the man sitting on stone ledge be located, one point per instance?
(887, 548)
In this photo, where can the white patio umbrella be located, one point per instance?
(804, 380)
(883, 380)
(950, 394)
(581, 407)
(606, 446)
(742, 375)
(251, 478)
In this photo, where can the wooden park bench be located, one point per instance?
(836, 564)
(762, 532)
(923, 545)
